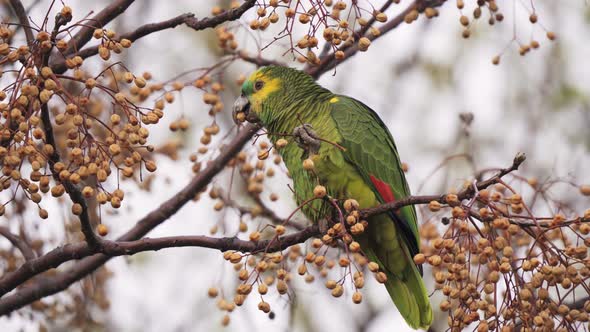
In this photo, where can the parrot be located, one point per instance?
(354, 157)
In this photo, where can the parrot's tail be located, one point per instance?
(409, 294)
(410, 297)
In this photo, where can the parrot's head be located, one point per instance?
(268, 91)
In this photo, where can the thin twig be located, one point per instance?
(257, 60)
(73, 191)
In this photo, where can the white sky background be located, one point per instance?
(166, 291)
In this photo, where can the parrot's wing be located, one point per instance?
(370, 148)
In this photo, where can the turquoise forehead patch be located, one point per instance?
(247, 87)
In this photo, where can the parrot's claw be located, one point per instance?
(324, 225)
(307, 139)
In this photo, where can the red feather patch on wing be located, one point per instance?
(383, 188)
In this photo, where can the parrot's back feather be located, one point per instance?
(370, 148)
(392, 239)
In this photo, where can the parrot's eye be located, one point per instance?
(258, 85)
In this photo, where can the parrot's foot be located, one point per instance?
(324, 225)
(307, 139)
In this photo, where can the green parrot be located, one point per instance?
(354, 156)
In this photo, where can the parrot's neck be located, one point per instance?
(282, 117)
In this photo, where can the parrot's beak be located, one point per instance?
(241, 111)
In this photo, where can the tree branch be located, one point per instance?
(21, 14)
(54, 284)
(257, 60)
(126, 245)
(230, 15)
(72, 190)
(99, 20)
(19, 243)
(144, 30)
(464, 194)
(54, 258)
(119, 248)
(189, 19)
(330, 61)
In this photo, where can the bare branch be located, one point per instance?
(119, 248)
(258, 60)
(19, 243)
(21, 14)
(265, 211)
(230, 15)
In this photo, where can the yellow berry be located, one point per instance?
(319, 191)
(357, 297)
(381, 277)
(452, 200)
(350, 205)
(212, 292)
(354, 246)
(364, 44)
(381, 17)
(77, 209)
(102, 229)
(373, 267)
(338, 291)
(254, 236)
(419, 259)
(434, 206)
(464, 20)
(281, 143)
(263, 155)
(264, 306)
(225, 320)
